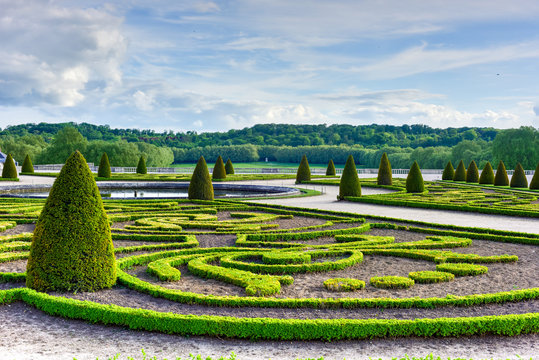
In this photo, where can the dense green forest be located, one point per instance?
(430, 147)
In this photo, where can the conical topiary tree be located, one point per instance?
(229, 168)
(472, 175)
(518, 179)
(304, 172)
(219, 171)
(501, 178)
(330, 171)
(200, 187)
(349, 185)
(141, 166)
(534, 184)
(414, 181)
(10, 170)
(449, 171)
(460, 172)
(104, 167)
(27, 166)
(384, 171)
(487, 175)
(72, 246)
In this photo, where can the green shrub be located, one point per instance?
(104, 167)
(472, 175)
(449, 171)
(414, 181)
(304, 172)
(141, 166)
(27, 166)
(349, 185)
(430, 277)
(344, 284)
(391, 282)
(330, 171)
(501, 178)
(487, 175)
(518, 179)
(219, 171)
(384, 171)
(200, 187)
(534, 184)
(229, 168)
(282, 258)
(460, 172)
(72, 247)
(10, 170)
(459, 269)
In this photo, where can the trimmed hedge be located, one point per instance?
(459, 269)
(10, 170)
(449, 172)
(487, 175)
(430, 277)
(391, 282)
(284, 258)
(141, 166)
(349, 184)
(330, 171)
(518, 179)
(384, 172)
(27, 166)
(414, 180)
(534, 184)
(344, 284)
(472, 175)
(219, 171)
(104, 167)
(200, 187)
(229, 168)
(501, 178)
(304, 172)
(460, 172)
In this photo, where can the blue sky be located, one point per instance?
(220, 65)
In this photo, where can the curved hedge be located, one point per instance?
(430, 277)
(460, 269)
(449, 171)
(487, 175)
(472, 175)
(200, 187)
(384, 172)
(104, 167)
(304, 172)
(501, 178)
(27, 166)
(344, 284)
(391, 282)
(330, 171)
(518, 180)
(349, 184)
(460, 172)
(414, 180)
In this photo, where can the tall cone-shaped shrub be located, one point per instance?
(460, 172)
(518, 179)
(487, 175)
(330, 171)
(72, 247)
(501, 178)
(349, 185)
(414, 181)
(472, 175)
(304, 172)
(384, 171)
(104, 167)
(27, 166)
(534, 184)
(449, 171)
(229, 168)
(200, 187)
(219, 171)
(10, 170)
(141, 166)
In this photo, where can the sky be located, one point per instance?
(206, 65)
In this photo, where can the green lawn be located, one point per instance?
(262, 164)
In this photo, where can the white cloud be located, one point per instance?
(143, 101)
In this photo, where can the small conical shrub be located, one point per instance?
(460, 172)
(27, 166)
(384, 171)
(518, 180)
(472, 175)
(141, 166)
(501, 178)
(72, 247)
(219, 171)
(449, 171)
(487, 175)
(104, 167)
(349, 185)
(330, 171)
(414, 181)
(534, 184)
(10, 170)
(304, 172)
(200, 187)
(229, 168)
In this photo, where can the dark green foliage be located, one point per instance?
(472, 175)
(384, 171)
(72, 247)
(304, 172)
(200, 187)
(487, 175)
(501, 178)
(460, 172)
(229, 168)
(219, 171)
(449, 171)
(27, 166)
(414, 181)
(534, 184)
(10, 170)
(141, 166)
(104, 167)
(349, 185)
(519, 178)
(330, 171)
